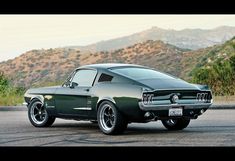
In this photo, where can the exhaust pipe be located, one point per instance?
(202, 111)
(149, 115)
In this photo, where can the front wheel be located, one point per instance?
(176, 124)
(110, 120)
(38, 115)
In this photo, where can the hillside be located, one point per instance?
(219, 52)
(49, 67)
(206, 57)
(187, 38)
(42, 67)
(217, 69)
(38, 66)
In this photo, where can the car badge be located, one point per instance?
(174, 98)
(48, 97)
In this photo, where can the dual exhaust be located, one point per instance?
(151, 116)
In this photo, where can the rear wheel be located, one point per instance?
(110, 120)
(38, 115)
(176, 124)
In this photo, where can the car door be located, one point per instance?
(75, 97)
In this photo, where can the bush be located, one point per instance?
(4, 83)
(10, 95)
(220, 76)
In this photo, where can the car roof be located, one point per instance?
(109, 65)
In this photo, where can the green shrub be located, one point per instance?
(9, 95)
(220, 76)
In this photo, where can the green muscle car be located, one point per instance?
(117, 94)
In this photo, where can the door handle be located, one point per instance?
(87, 89)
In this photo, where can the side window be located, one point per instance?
(68, 80)
(84, 77)
(105, 78)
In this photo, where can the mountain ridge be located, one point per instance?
(54, 65)
(186, 38)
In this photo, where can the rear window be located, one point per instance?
(141, 73)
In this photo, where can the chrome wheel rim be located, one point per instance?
(171, 122)
(107, 117)
(38, 113)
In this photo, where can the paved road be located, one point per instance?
(214, 128)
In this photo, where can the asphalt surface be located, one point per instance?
(213, 128)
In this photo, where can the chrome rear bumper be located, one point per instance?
(168, 106)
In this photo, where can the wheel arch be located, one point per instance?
(105, 99)
(37, 97)
(117, 126)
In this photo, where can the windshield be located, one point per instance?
(141, 73)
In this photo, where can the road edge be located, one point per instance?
(13, 108)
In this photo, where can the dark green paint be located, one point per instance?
(124, 92)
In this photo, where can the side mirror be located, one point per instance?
(66, 84)
(73, 84)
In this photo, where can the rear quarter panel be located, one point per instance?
(124, 96)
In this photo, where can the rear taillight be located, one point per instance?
(147, 98)
(203, 97)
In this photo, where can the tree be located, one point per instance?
(4, 83)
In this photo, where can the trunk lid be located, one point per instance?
(171, 84)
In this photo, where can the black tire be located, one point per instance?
(176, 124)
(38, 115)
(110, 120)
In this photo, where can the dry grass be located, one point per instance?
(11, 100)
(224, 99)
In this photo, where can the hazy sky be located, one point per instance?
(20, 33)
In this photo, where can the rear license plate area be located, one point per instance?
(175, 111)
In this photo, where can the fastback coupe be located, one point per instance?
(117, 94)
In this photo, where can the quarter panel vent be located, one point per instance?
(105, 78)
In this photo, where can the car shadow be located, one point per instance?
(131, 130)
(87, 125)
(157, 130)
